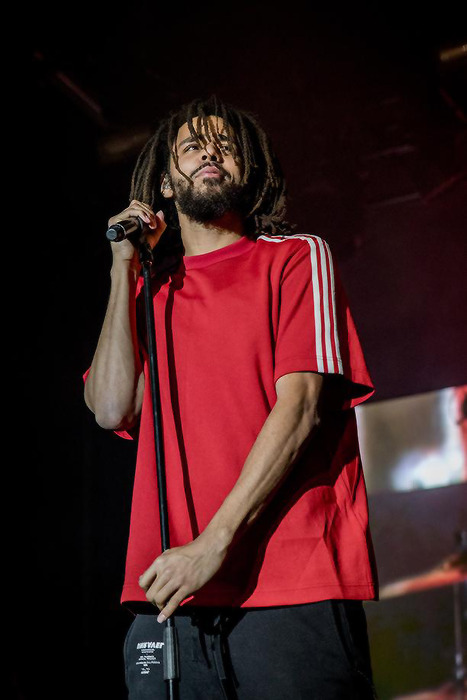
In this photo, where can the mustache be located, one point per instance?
(212, 164)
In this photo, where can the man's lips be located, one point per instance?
(209, 171)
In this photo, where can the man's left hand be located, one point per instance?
(179, 572)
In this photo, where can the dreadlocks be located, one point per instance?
(261, 172)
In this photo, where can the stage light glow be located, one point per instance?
(415, 442)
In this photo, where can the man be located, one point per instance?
(260, 367)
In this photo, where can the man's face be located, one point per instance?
(214, 187)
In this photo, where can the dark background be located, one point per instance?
(370, 126)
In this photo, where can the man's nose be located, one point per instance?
(211, 152)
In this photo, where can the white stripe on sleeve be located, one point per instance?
(324, 299)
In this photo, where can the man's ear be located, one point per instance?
(166, 186)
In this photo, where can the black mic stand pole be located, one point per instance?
(171, 666)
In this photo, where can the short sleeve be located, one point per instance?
(315, 330)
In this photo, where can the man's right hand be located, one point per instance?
(154, 228)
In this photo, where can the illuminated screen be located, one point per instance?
(415, 442)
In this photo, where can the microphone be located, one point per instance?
(124, 229)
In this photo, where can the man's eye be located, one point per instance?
(224, 147)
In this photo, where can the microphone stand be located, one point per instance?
(170, 653)
(131, 228)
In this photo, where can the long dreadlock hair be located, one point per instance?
(265, 193)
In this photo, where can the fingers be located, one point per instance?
(144, 212)
(147, 578)
(166, 594)
(172, 605)
(154, 221)
(160, 594)
(163, 589)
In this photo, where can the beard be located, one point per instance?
(212, 201)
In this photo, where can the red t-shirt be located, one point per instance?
(228, 324)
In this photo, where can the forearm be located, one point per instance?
(179, 572)
(114, 386)
(284, 433)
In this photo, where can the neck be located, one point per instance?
(204, 238)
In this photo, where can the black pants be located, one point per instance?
(314, 651)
